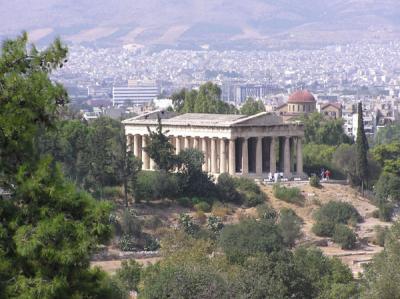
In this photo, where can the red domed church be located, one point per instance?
(299, 103)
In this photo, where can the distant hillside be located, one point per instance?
(193, 23)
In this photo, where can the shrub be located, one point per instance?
(129, 274)
(226, 186)
(290, 226)
(246, 185)
(254, 199)
(290, 195)
(381, 233)
(150, 243)
(385, 211)
(187, 224)
(266, 212)
(344, 236)
(214, 224)
(375, 213)
(338, 212)
(129, 243)
(219, 210)
(249, 237)
(203, 206)
(201, 217)
(152, 185)
(185, 202)
(314, 181)
(323, 228)
(112, 192)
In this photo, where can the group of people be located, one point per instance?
(325, 174)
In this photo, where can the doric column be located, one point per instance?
(177, 145)
(299, 155)
(137, 145)
(128, 143)
(272, 156)
(145, 156)
(196, 142)
(152, 164)
(205, 152)
(259, 156)
(232, 157)
(245, 156)
(213, 155)
(222, 156)
(286, 157)
(187, 142)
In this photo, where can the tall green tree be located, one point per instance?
(361, 150)
(48, 229)
(251, 107)
(160, 149)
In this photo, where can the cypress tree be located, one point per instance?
(362, 150)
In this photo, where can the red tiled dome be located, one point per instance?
(301, 96)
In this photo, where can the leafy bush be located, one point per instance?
(150, 243)
(185, 202)
(266, 212)
(220, 210)
(246, 185)
(112, 192)
(249, 237)
(254, 199)
(214, 224)
(338, 212)
(314, 181)
(344, 236)
(375, 213)
(203, 206)
(129, 243)
(290, 226)
(152, 185)
(381, 233)
(324, 228)
(386, 211)
(129, 274)
(290, 195)
(187, 224)
(227, 191)
(131, 224)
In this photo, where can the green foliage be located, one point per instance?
(388, 134)
(361, 150)
(152, 185)
(160, 149)
(290, 195)
(290, 226)
(381, 277)
(319, 130)
(203, 207)
(129, 243)
(249, 237)
(251, 107)
(388, 156)
(129, 274)
(227, 189)
(267, 213)
(214, 223)
(387, 189)
(185, 202)
(344, 236)
(338, 212)
(131, 224)
(187, 224)
(381, 233)
(315, 182)
(385, 211)
(324, 228)
(206, 100)
(318, 156)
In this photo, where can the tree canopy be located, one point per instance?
(251, 107)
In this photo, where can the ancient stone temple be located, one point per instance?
(255, 146)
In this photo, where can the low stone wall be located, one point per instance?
(107, 255)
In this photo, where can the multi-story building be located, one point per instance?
(137, 93)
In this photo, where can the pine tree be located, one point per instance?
(362, 150)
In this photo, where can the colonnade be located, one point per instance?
(245, 156)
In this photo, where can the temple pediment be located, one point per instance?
(260, 119)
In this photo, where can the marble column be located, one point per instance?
(222, 156)
(272, 156)
(204, 148)
(145, 156)
(286, 157)
(152, 164)
(245, 156)
(299, 155)
(177, 145)
(213, 150)
(259, 156)
(196, 142)
(187, 142)
(128, 143)
(232, 157)
(137, 145)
